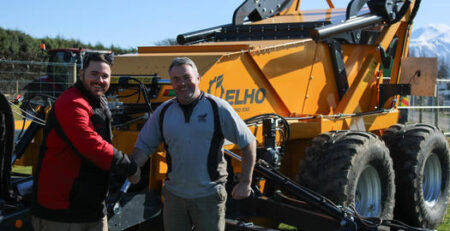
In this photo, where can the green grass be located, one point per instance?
(16, 112)
(445, 226)
(286, 227)
(22, 169)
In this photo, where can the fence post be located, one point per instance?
(436, 110)
(420, 110)
(74, 73)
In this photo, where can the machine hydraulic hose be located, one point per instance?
(199, 35)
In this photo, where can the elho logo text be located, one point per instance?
(236, 96)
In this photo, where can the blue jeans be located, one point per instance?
(200, 214)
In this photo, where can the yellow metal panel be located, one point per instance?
(148, 64)
(257, 44)
(354, 57)
(288, 69)
(238, 80)
(158, 170)
(125, 140)
(212, 47)
(309, 129)
(321, 79)
(388, 34)
(304, 129)
(19, 124)
(403, 32)
(327, 100)
(350, 103)
(381, 121)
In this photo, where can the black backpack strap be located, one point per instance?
(161, 131)
(54, 124)
(215, 154)
(46, 130)
(121, 162)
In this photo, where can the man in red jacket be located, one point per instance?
(77, 157)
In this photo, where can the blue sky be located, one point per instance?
(134, 23)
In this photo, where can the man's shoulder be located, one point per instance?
(221, 103)
(164, 105)
(71, 96)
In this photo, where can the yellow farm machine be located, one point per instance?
(310, 85)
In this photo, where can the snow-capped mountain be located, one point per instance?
(431, 41)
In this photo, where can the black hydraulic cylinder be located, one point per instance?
(346, 26)
(199, 35)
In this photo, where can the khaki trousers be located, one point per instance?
(47, 225)
(200, 214)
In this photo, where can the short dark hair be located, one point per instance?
(107, 58)
(179, 61)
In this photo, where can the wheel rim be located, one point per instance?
(432, 180)
(368, 193)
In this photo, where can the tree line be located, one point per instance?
(16, 45)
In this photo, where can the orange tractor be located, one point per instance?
(309, 84)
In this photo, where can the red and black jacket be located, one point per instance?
(76, 159)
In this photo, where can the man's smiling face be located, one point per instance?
(96, 78)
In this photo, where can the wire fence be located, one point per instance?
(430, 109)
(18, 78)
(29, 78)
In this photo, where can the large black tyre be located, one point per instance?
(353, 169)
(421, 162)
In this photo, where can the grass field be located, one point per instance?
(446, 223)
(445, 226)
(22, 169)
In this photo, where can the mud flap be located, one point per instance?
(136, 208)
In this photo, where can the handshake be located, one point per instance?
(136, 177)
(140, 158)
